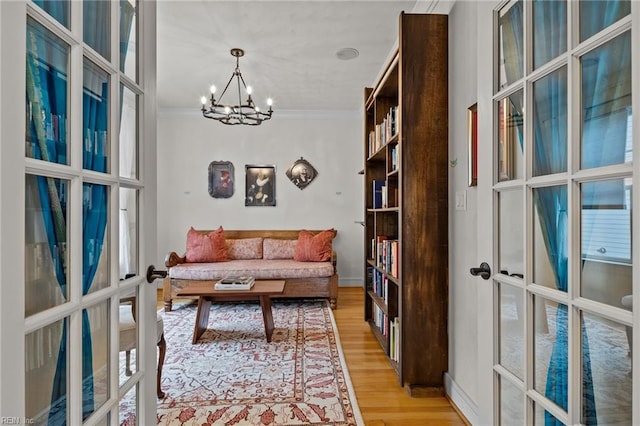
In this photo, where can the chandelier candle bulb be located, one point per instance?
(230, 114)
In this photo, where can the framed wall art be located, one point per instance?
(260, 185)
(221, 179)
(301, 173)
(472, 135)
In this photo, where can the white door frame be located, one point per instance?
(485, 206)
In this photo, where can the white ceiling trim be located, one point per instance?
(279, 114)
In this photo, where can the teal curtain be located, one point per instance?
(550, 36)
(596, 15)
(96, 25)
(58, 9)
(606, 102)
(46, 94)
(95, 100)
(127, 14)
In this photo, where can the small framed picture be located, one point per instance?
(301, 173)
(472, 129)
(221, 178)
(260, 186)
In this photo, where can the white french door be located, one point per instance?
(559, 138)
(77, 210)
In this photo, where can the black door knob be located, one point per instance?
(484, 271)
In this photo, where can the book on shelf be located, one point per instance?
(385, 252)
(394, 339)
(235, 283)
(384, 131)
(377, 193)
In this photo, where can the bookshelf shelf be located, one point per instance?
(406, 205)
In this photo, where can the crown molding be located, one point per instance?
(278, 114)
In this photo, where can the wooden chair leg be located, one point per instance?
(127, 365)
(162, 345)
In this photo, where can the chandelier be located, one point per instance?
(241, 113)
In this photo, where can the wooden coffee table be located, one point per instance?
(262, 290)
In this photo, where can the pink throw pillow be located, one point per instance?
(206, 247)
(279, 249)
(244, 248)
(314, 248)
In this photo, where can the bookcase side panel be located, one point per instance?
(424, 195)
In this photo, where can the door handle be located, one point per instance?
(153, 274)
(484, 271)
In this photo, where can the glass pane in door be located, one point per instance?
(549, 30)
(128, 38)
(511, 44)
(128, 133)
(58, 9)
(95, 248)
(510, 159)
(96, 25)
(511, 231)
(128, 338)
(596, 15)
(47, 91)
(511, 404)
(543, 417)
(46, 237)
(128, 233)
(607, 394)
(550, 238)
(550, 341)
(606, 104)
(550, 123)
(605, 221)
(47, 374)
(511, 329)
(95, 122)
(95, 357)
(128, 406)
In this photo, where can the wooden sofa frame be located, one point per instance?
(324, 287)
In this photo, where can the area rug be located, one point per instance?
(232, 376)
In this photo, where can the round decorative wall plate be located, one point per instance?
(301, 173)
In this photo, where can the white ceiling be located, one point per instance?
(290, 49)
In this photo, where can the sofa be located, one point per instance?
(305, 259)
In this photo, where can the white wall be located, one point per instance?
(331, 142)
(463, 345)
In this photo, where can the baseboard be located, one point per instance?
(460, 400)
(349, 282)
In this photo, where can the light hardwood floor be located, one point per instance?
(381, 399)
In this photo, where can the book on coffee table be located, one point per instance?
(235, 283)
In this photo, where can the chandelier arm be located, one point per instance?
(225, 88)
(239, 78)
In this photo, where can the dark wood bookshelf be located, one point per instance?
(412, 96)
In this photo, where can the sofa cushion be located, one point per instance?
(314, 248)
(244, 248)
(278, 249)
(206, 247)
(257, 268)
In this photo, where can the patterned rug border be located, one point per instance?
(347, 376)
